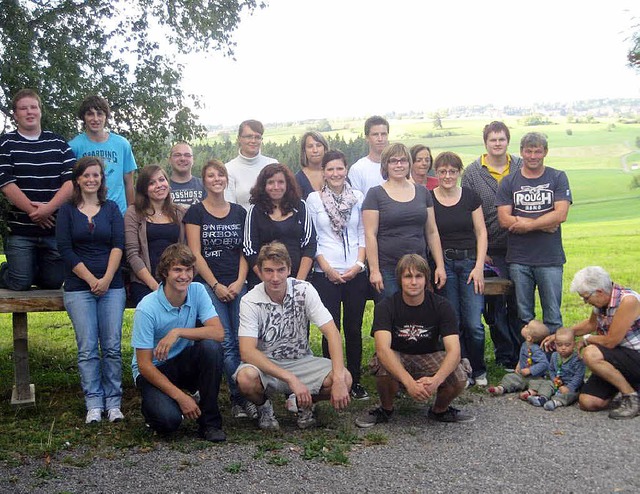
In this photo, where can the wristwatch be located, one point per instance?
(361, 264)
(585, 338)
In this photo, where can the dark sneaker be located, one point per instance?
(250, 410)
(615, 402)
(358, 392)
(213, 434)
(451, 415)
(376, 416)
(629, 407)
(306, 418)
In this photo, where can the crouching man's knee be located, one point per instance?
(248, 381)
(590, 403)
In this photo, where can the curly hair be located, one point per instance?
(291, 197)
(142, 202)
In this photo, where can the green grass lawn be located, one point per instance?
(603, 229)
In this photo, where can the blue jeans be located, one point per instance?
(548, 279)
(197, 367)
(97, 322)
(468, 306)
(390, 282)
(229, 314)
(351, 297)
(501, 315)
(31, 260)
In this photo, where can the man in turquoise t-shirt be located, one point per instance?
(114, 150)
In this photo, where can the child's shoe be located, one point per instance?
(524, 396)
(551, 405)
(537, 401)
(495, 390)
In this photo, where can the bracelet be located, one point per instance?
(585, 338)
(214, 286)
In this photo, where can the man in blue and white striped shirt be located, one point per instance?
(35, 173)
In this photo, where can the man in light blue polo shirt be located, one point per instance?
(172, 354)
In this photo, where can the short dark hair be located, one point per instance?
(333, 154)
(495, 126)
(448, 158)
(93, 102)
(413, 262)
(25, 93)
(374, 120)
(78, 169)
(254, 125)
(273, 251)
(175, 254)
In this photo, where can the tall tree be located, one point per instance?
(120, 49)
(634, 52)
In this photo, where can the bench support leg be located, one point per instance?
(23, 392)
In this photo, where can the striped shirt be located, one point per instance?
(605, 317)
(38, 167)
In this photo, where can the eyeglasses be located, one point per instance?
(585, 298)
(444, 173)
(396, 161)
(252, 137)
(181, 155)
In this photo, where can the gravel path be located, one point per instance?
(511, 447)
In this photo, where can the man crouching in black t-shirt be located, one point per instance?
(410, 329)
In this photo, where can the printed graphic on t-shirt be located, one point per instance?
(187, 197)
(216, 237)
(537, 199)
(284, 334)
(414, 332)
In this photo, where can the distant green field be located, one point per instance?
(592, 155)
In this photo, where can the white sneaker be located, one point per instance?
(115, 415)
(481, 380)
(94, 416)
(266, 418)
(292, 403)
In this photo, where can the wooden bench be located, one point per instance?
(497, 286)
(21, 303)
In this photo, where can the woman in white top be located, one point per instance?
(339, 264)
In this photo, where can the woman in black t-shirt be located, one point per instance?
(278, 213)
(463, 234)
(214, 229)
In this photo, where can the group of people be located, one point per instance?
(272, 252)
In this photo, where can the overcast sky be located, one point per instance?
(301, 59)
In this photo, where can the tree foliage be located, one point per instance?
(634, 52)
(287, 153)
(123, 50)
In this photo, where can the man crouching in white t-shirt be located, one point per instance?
(274, 343)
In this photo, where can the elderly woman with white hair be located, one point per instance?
(611, 341)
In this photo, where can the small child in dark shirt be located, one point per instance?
(566, 375)
(532, 365)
